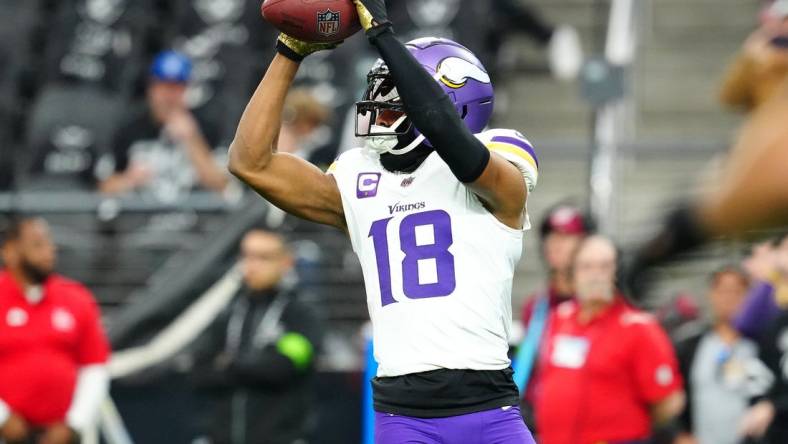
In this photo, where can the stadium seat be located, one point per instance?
(7, 155)
(68, 129)
(222, 84)
(236, 22)
(99, 42)
(12, 59)
(19, 23)
(229, 43)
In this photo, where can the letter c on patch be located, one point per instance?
(367, 185)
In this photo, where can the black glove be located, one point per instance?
(373, 17)
(681, 232)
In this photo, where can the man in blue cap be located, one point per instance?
(163, 149)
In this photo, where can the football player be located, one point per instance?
(435, 208)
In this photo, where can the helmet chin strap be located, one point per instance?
(388, 144)
(411, 146)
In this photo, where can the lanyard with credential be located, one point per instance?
(529, 348)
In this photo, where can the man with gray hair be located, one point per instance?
(608, 372)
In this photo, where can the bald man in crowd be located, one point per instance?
(53, 351)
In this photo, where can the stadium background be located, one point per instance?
(69, 69)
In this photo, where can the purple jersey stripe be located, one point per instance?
(518, 143)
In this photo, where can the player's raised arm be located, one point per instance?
(290, 183)
(495, 180)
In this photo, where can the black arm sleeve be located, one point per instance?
(431, 110)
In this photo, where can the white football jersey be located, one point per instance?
(437, 265)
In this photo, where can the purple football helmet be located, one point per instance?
(456, 69)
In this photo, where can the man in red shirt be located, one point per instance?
(608, 371)
(53, 351)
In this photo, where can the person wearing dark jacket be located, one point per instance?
(768, 417)
(258, 358)
(714, 364)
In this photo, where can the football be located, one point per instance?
(313, 21)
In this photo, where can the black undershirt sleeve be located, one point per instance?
(431, 110)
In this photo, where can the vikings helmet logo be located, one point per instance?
(454, 72)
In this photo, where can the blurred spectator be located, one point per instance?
(53, 351)
(608, 372)
(229, 44)
(164, 150)
(768, 417)
(259, 357)
(768, 266)
(714, 364)
(335, 78)
(680, 317)
(303, 124)
(561, 230)
(762, 64)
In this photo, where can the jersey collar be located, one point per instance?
(406, 163)
(611, 310)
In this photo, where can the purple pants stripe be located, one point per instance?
(497, 426)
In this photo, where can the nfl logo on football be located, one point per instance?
(327, 22)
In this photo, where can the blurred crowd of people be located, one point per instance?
(602, 371)
(605, 371)
(144, 96)
(255, 362)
